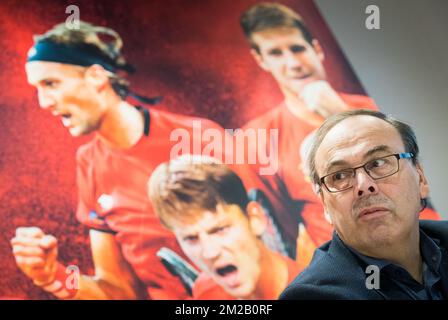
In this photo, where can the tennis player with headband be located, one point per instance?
(76, 75)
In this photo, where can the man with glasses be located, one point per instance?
(365, 167)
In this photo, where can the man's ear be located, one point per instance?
(319, 51)
(328, 217)
(423, 182)
(257, 218)
(96, 76)
(259, 59)
(316, 188)
(326, 213)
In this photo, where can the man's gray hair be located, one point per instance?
(407, 136)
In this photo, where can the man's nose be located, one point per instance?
(364, 184)
(45, 100)
(292, 60)
(210, 249)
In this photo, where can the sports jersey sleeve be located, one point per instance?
(85, 211)
(429, 214)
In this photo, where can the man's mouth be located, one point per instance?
(300, 77)
(372, 213)
(229, 274)
(66, 119)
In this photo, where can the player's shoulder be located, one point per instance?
(294, 268)
(167, 119)
(358, 101)
(266, 120)
(85, 152)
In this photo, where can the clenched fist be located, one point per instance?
(320, 97)
(35, 254)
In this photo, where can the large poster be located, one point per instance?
(288, 75)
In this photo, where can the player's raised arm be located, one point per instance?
(114, 278)
(36, 255)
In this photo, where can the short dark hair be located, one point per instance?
(181, 188)
(265, 16)
(407, 135)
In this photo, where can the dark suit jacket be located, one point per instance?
(336, 273)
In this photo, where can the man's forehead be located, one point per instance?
(353, 137)
(38, 70)
(203, 222)
(275, 35)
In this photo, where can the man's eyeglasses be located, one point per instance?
(377, 169)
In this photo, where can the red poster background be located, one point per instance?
(192, 52)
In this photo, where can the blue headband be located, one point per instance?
(82, 55)
(78, 54)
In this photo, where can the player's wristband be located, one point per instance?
(61, 286)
